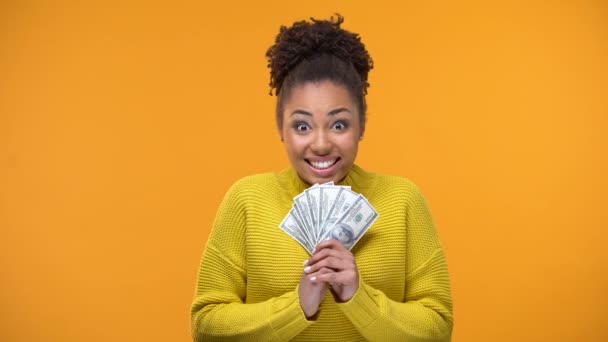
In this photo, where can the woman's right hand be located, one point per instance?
(311, 293)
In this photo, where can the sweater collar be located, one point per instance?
(357, 178)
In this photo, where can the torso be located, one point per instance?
(274, 260)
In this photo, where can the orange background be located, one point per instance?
(122, 125)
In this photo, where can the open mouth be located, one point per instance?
(322, 165)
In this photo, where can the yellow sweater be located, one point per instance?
(250, 270)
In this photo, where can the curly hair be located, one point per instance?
(315, 51)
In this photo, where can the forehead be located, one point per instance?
(319, 96)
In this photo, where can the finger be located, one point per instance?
(324, 270)
(333, 244)
(322, 254)
(335, 278)
(337, 264)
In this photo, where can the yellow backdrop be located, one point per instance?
(122, 124)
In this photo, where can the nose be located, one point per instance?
(321, 144)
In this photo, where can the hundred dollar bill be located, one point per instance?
(305, 215)
(304, 228)
(337, 204)
(353, 224)
(312, 196)
(291, 226)
(327, 195)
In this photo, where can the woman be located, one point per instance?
(255, 283)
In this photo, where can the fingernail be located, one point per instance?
(305, 262)
(313, 278)
(306, 269)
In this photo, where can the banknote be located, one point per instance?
(303, 212)
(326, 211)
(293, 228)
(353, 223)
(312, 195)
(339, 204)
(327, 197)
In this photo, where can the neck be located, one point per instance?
(357, 178)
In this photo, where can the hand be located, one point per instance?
(344, 280)
(312, 293)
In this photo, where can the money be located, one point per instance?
(292, 227)
(353, 223)
(339, 205)
(303, 213)
(328, 211)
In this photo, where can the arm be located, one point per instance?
(219, 311)
(425, 314)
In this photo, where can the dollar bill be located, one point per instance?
(338, 205)
(326, 211)
(327, 196)
(292, 227)
(312, 197)
(353, 224)
(303, 213)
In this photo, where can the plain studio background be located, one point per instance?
(122, 125)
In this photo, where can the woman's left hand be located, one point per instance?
(344, 281)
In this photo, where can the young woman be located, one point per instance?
(256, 283)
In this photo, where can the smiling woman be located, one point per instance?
(392, 286)
(321, 131)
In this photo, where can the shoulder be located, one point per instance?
(386, 183)
(397, 183)
(398, 189)
(256, 180)
(253, 186)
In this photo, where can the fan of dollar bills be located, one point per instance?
(328, 211)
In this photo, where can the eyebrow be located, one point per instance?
(331, 112)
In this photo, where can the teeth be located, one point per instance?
(322, 165)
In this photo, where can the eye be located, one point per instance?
(301, 127)
(339, 125)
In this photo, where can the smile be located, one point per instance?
(322, 165)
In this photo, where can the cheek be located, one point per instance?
(295, 144)
(349, 144)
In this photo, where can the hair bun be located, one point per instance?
(304, 40)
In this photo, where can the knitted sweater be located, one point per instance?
(248, 279)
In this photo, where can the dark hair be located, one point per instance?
(317, 51)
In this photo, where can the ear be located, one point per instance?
(280, 131)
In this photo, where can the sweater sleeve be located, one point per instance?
(426, 312)
(219, 311)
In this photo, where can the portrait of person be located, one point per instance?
(343, 233)
(251, 271)
(303, 171)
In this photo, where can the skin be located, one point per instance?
(321, 123)
(344, 275)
